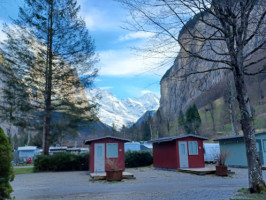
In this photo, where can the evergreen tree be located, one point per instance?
(48, 49)
(114, 131)
(145, 130)
(193, 120)
(181, 120)
(6, 171)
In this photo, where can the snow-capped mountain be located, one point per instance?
(122, 112)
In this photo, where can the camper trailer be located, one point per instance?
(211, 152)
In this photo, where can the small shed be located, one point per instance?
(235, 146)
(185, 151)
(26, 152)
(103, 148)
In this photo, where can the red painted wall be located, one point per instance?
(91, 158)
(120, 161)
(164, 155)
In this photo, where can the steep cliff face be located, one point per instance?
(178, 91)
(5, 115)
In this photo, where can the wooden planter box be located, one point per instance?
(114, 175)
(221, 170)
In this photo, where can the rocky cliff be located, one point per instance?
(177, 91)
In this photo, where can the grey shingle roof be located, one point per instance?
(166, 139)
(235, 137)
(105, 137)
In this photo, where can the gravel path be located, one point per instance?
(150, 184)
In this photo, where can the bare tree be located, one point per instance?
(230, 105)
(226, 34)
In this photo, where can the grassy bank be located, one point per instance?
(23, 170)
(243, 194)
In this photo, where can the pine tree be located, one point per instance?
(181, 120)
(48, 49)
(6, 171)
(193, 120)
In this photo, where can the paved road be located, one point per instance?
(149, 184)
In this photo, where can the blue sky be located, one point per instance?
(123, 71)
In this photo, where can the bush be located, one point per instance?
(61, 162)
(6, 170)
(138, 158)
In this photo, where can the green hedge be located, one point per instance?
(138, 158)
(61, 162)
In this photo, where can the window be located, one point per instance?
(264, 145)
(193, 147)
(112, 150)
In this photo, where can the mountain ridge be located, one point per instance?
(125, 112)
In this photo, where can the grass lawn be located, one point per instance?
(244, 194)
(23, 170)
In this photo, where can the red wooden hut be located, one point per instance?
(175, 152)
(104, 148)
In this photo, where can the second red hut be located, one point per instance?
(176, 152)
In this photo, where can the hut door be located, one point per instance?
(99, 157)
(183, 155)
(259, 149)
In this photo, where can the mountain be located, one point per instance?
(145, 117)
(123, 112)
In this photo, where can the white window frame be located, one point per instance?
(112, 150)
(193, 147)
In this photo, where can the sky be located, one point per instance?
(123, 71)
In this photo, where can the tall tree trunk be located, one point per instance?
(48, 86)
(231, 109)
(260, 91)
(256, 182)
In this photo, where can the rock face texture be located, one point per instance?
(179, 91)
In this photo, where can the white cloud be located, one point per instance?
(136, 35)
(96, 18)
(146, 91)
(125, 62)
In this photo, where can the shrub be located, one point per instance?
(61, 162)
(6, 170)
(138, 158)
